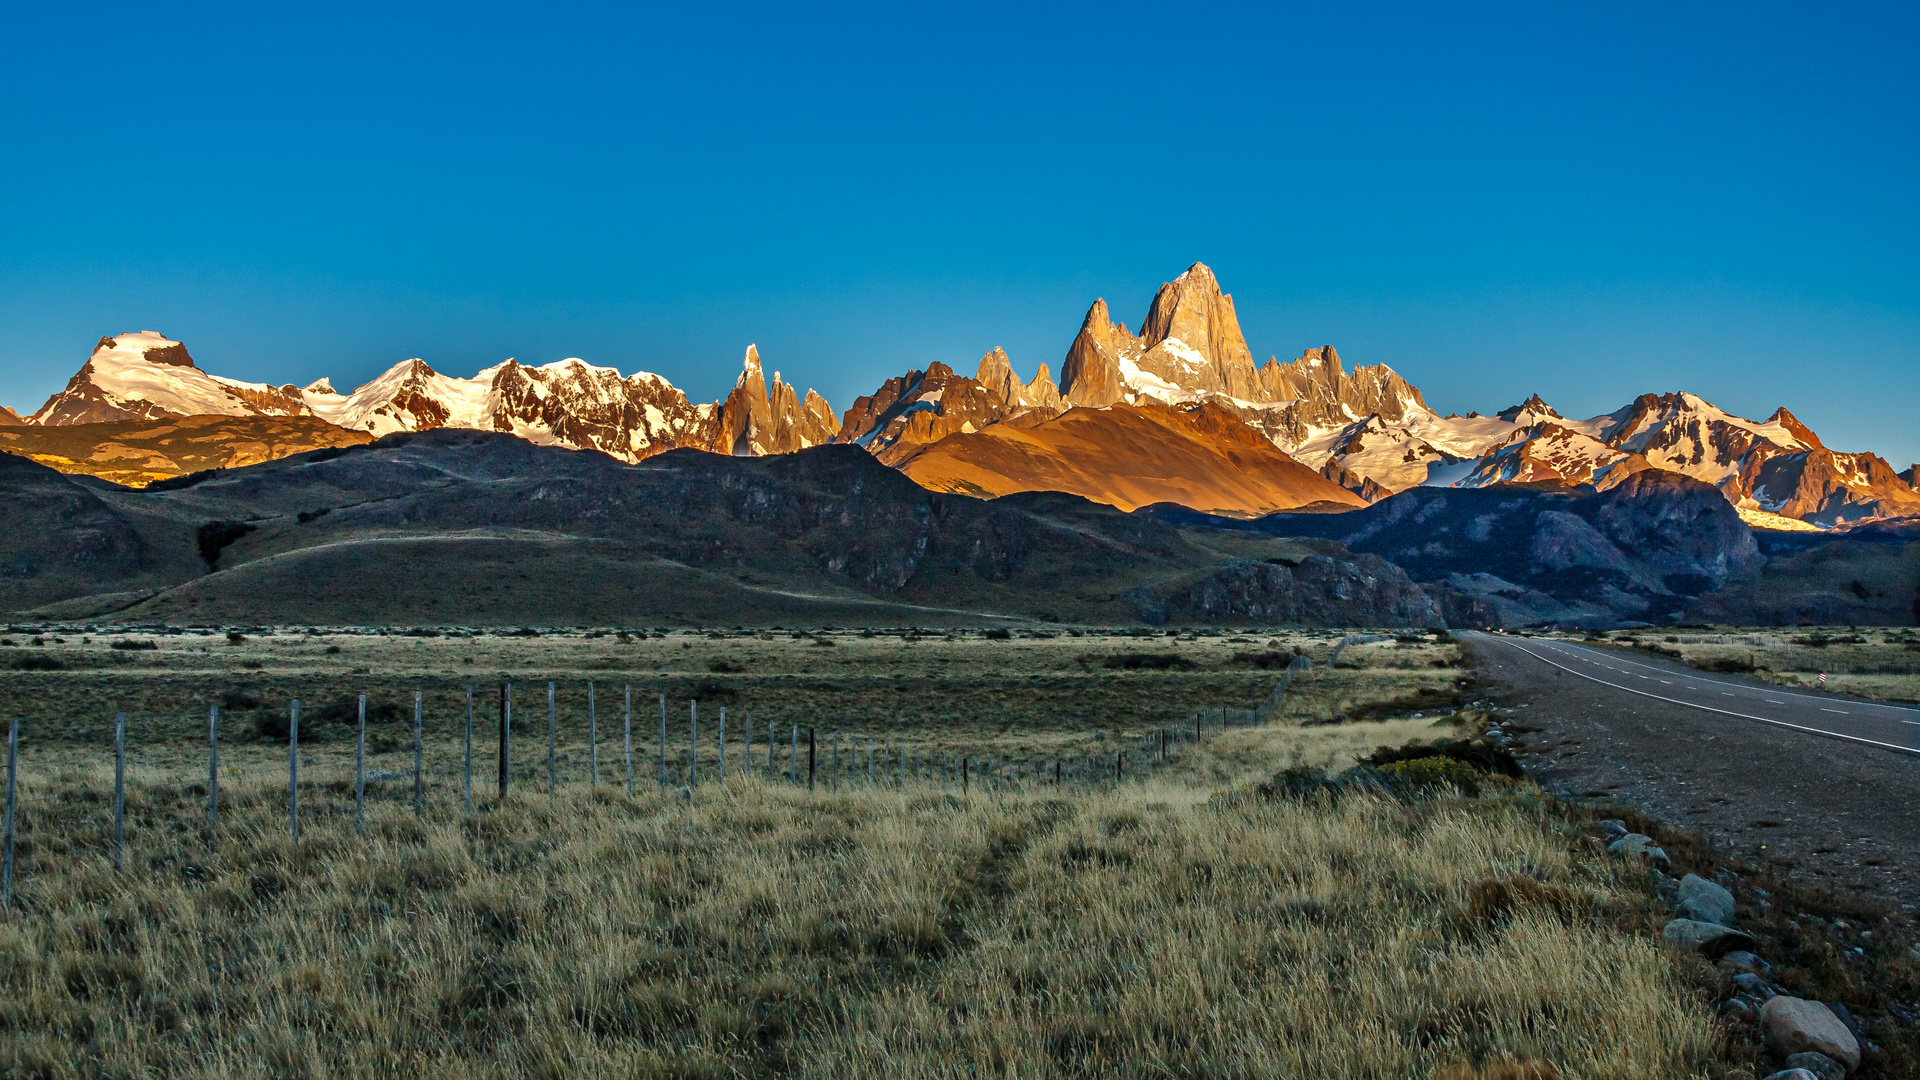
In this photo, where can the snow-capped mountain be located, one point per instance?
(145, 376)
(573, 403)
(1371, 431)
(1368, 431)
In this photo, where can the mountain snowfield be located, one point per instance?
(570, 402)
(1368, 431)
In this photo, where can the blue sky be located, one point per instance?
(1586, 200)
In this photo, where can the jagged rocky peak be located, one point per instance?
(1529, 411)
(1794, 427)
(1190, 348)
(1090, 376)
(756, 420)
(997, 376)
(1192, 337)
(1325, 395)
(922, 407)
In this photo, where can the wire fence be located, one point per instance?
(681, 760)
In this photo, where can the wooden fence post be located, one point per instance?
(6, 857)
(119, 791)
(360, 773)
(419, 784)
(793, 757)
(809, 759)
(293, 772)
(553, 731)
(723, 744)
(629, 740)
(770, 738)
(693, 747)
(869, 761)
(467, 783)
(213, 780)
(835, 770)
(593, 741)
(663, 740)
(506, 735)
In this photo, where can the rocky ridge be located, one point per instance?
(148, 377)
(1367, 431)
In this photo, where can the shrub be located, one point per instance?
(37, 662)
(1429, 772)
(215, 536)
(129, 643)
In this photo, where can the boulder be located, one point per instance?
(1709, 939)
(1792, 1074)
(1794, 1025)
(1820, 1065)
(1755, 987)
(1741, 961)
(1638, 844)
(1703, 900)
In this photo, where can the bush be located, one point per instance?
(129, 643)
(999, 634)
(1425, 773)
(215, 536)
(1477, 754)
(37, 662)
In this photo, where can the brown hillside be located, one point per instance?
(1129, 456)
(139, 452)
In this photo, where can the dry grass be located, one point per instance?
(758, 929)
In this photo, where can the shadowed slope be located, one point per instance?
(458, 526)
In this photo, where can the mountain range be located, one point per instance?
(1176, 413)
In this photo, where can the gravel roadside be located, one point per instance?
(1844, 815)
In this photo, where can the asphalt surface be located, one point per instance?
(1828, 782)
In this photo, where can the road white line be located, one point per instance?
(1842, 712)
(1711, 709)
(1576, 650)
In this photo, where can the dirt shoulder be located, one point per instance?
(1840, 814)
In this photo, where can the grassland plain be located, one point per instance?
(755, 928)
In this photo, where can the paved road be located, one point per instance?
(1830, 782)
(1867, 723)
